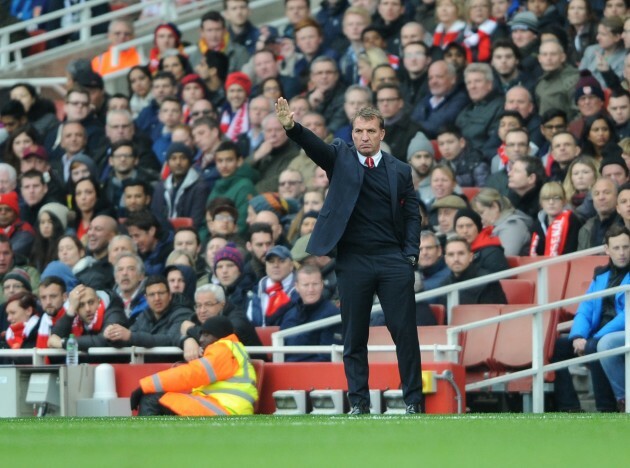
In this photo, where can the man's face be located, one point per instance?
(236, 12)
(6, 256)
(258, 109)
(158, 298)
(6, 183)
(564, 148)
(390, 10)
(504, 61)
(144, 240)
(619, 109)
(73, 138)
(623, 205)
(119, 33)
(324, 75)
(206, 306)
(422, 162)
(135, 198)
(367, 136)
(415, 59)
(170, 114)
(10, 123)
(186, 241)
(88, 305)
(117, 103)
(212, 33)
(373, 39)
(618, 249)
(274, 133)
(518, 99)
(616, 173)
(308, 40)
(99, 234)
(389, 102)
(227, 162)
(97, 97)
(604, 197)
(127, 275)
(446, 219)
(223, 223)
(523, 37)
(33, 190)
(355, 100)
(589, 105)
(77, 106)
(119, 127)
(440, 81)
(265, 65)
(205, 138)
(553, 126)
(226, 272)
(316, 124)
(411, 32)
(518, 179)
(516, 145)
(236, 96)
(52, 298)
(466, 228)
(117, 247)
(309, 286)
(202, 108)
(162, 88)
(430, 252)
(291, 185)
(507, 123)
(259, 245)
(123, 160)
(179, 164)
(450, 145)
(383, 75)
(353, 26)
(278, 269)
(477, 86)
(7, 215)
(458, 258)
(551, 56)
(296, 10)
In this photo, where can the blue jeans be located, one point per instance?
(614, 366)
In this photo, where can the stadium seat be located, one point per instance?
(264, 333)
(513, 261)
(556, 277)
(179, 223)
(579, 279)
(259, 367)
(439, 312)
(479, 342)
(427, 335)
(40, 46)
(518, 291)
(470, 192)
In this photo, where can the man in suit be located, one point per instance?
(371, 216)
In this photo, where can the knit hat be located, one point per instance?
(279, 251)
(218, 326)
(240, 79)
(420, 143)
(60, 270)
(35, 151)
(58, 210)
(178, 147)
(616, 160)
(11, 200)
(298, 252)
(449, 201)
(171, 27)
(526, 20)
(468, 213)
(588, 85)
(88, 161)
(193, 78)
(270, 201)
(229, 253)
(20, 275)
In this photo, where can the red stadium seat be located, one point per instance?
(479, 341)
(556, 277)
(179, 223)
(518, 291)
(39, 47)
(470, 192)
(439, 312)
(427, 336)
(579, 279)
(264, 333)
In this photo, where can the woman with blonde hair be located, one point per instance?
(556, 229)
(511, 226)
(368, 61)
(581, 175)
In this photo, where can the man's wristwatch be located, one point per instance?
(412, 259)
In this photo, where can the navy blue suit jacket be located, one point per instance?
(345, 173)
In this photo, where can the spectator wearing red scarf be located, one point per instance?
(20, 233)
(21, 310)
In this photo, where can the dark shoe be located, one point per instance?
(621, 405)
(416, 408)
(360, 408)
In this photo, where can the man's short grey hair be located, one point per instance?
(483, 68)
(127, 23)
(9, 169)
(363, 89)
(325, 59)
(118, 112)
(218, 291)
(118, 237)
(426, 233)
(138, 260)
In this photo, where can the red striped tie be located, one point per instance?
(369, 162)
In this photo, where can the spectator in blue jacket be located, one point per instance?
(594, 320)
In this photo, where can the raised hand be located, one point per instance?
(284, 114)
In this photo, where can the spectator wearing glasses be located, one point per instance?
(431, 266)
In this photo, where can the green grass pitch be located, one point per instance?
(503, 440)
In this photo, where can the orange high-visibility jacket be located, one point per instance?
(102, 64)
(222, 382)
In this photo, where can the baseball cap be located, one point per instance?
(279, 251)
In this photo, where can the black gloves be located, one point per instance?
(135, 398)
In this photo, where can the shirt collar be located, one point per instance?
(377, 158)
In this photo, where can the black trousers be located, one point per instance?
(390, 277)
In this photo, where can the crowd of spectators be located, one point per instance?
(521, 105)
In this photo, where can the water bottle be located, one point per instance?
(72, 351)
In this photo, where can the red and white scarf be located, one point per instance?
(442, 38)
(45, 327)
(18, 332)
(555, 236)
(232, 125)
(95, 326)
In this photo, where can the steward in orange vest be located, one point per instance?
(222, 382)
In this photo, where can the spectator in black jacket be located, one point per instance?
(467, 163)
